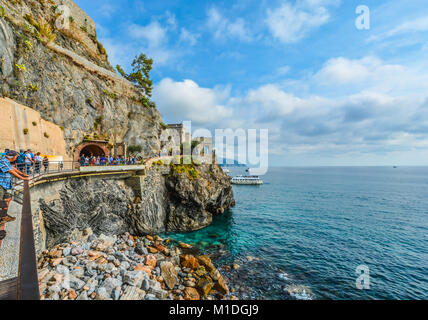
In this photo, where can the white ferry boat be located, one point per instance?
(247, 180)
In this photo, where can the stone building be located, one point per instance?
(206, 145)
(180, 134)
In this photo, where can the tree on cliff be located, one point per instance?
(140, 76)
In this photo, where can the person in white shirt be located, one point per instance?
(38, 162)
(28, 162)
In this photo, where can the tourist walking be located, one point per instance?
(6, 173)
(28, 161)
(20, 161)
(82, 161)
(37, 163)
(46, 164)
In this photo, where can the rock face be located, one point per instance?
(66, 89)
(195, 201)
(70, 82)
(111, 206)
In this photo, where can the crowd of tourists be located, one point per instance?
(29, 162)
(91, 160)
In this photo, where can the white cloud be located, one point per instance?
(108, 9)
(186, 100)
(387, 112)
(153, 33)
(154, 39)
(413, 26)
(291, 22)
(283, 70)
(187, 37)
(343, 71)
(223, 28)
(171, 20)
(371, 73)
(420, 24)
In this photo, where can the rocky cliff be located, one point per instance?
(153, 203)
(65, 75)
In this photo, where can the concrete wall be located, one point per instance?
(16, 117)
(49, 191)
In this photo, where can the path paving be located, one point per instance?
(9, 247)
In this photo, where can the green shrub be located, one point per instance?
(46, 135)
(28, 44)
(31, 20)
(71, 19)
(2, 12)
(193, 173)
(112, 95)
(101, 48)
(46, 32)
(135, 148)
(84, 29)
(21, 67)
(25, 131)
(189, 169)
(158, 163)
(33, 87)
(34, 123)
(62, 128)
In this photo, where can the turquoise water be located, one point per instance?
(312, 227)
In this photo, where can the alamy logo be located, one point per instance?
(363, 20)
(63, 21)
(363, 280)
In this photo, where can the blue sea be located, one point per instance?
(303, 233)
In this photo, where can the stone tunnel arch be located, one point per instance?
(91, 148)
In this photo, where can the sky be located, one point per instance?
(330, 94)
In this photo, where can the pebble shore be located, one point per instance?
(127, 267)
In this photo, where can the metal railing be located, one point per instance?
(37, 170)
(40, 169)
(28, 283)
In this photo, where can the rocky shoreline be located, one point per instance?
(127, 267)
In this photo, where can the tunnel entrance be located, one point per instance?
(92, 151)
(93, 148)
